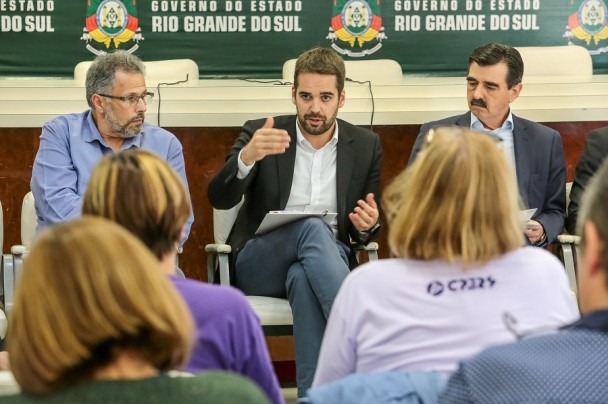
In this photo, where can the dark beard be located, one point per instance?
(315, 131)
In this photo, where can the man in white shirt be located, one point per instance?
(308, 162)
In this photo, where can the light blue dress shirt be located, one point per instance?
(70, 147)
(504, 133)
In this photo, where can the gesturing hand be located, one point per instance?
(265, 141)
(365, 215)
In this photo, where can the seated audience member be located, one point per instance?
(535, 152)
(88, 326)
(596, 150)
(139, 191)
(454, 227)
(568, 366)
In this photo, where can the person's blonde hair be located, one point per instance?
(88, 291)
(458, 201)
(141, 192)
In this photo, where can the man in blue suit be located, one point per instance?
(568, 366)
(535, 151)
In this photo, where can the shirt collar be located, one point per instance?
(506, 126)
(597, 321)
(93, 134)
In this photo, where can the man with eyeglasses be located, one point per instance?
(534, 150)
(71, 145)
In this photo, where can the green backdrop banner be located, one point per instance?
(252, 38)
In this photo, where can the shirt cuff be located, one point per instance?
(244, 170)
(364, 234)
(542, 241)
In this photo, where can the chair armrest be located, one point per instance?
(370, 248)
(3, 324)
(18, 249)
(373, 246)
(569, 238)
(566, 249)
(218, 248)
(12, 264)
(217, 257)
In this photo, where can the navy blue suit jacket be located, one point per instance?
(540, 166)
(596, 150)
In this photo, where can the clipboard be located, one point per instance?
(278, 218)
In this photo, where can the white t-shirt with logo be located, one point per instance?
(401, 314)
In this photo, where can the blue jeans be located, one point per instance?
(304, 262)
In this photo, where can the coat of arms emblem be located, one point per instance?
(588, 25)
(356, 27)
(111, 24)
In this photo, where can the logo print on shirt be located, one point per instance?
(436, 288)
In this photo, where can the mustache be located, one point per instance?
(319, 116)
(140, 115)
(478, 102)
(136, 117)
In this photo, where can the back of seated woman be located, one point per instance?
(87, 325)
(462, 279)
(142, 193)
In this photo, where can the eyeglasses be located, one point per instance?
(132, 100)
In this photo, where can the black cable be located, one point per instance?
(276, 82)
(371, 94)
(284, 83)
(158, 90)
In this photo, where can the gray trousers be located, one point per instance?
(304, 262)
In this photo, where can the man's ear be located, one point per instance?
(591, 278)
(514, 91)
(97, 102)
(592, 251)
(293, 95)
(342, 99)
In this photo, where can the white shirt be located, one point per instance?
(313, 188)
(504, 133)
(401, 314)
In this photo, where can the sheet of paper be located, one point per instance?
(276, 218)
(525, 215)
